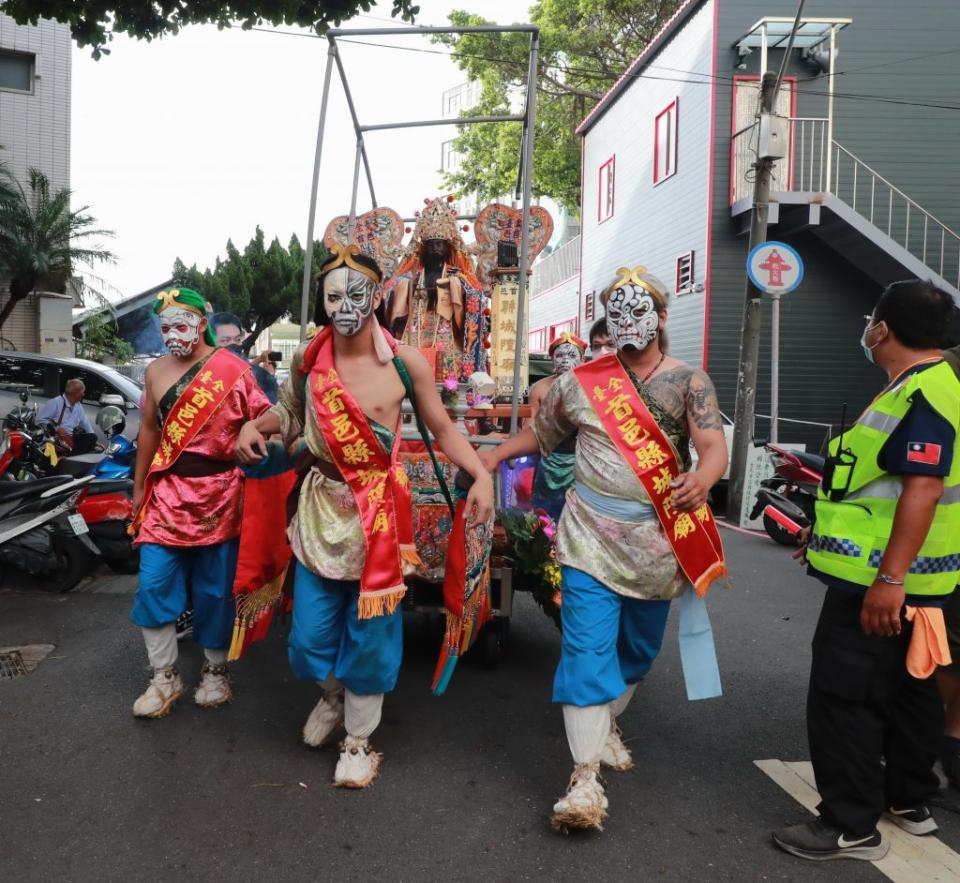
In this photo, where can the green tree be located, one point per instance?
(100, 340)
(39, 236)
(94, 22)
(585, 45)
(261, 284)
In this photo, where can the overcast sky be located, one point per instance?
(181, 143)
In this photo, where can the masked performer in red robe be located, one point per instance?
(636, 530)
(188, 498)
(352, 535)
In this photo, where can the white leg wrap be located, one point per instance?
(587, 730)
(161, 646)
(362, 713)
(215, 657)
(619, 705)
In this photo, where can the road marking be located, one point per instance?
(909, 859)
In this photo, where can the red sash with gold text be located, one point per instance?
(189, 414)
(628, 422)
(377, 480)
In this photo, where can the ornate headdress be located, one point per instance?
(567, 337)
(642, 279)
(185, 299)
(346, 256)
(437, 221)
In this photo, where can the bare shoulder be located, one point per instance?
(414, 361)
(703, 408)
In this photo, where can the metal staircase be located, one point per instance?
(849, 205)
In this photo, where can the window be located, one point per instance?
(449, 158)
(558, 329)
(665, 142)
(537, 341)
(589, 305)
(18, 375)
(685, 273)
(605, 186)
(16, 71)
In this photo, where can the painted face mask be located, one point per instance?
(348, 299)
(632, 318)
(565, 358)
(180, 330)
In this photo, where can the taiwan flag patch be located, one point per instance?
(923, 452)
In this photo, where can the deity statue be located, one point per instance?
(435, 300)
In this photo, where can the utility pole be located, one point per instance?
(750, 330)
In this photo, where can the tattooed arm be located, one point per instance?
(706, 432)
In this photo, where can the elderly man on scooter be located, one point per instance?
(68, 420)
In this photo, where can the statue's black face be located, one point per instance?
(436, 250)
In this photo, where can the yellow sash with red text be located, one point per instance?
(189, 414)
(377, 480)
(631, 427)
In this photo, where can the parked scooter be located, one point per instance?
(43, 534)
(789, 497)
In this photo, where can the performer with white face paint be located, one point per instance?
(188, 498)
(554, 473)
(636, 531)
(352, 534)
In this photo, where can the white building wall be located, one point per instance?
(35, 128)
(654, 224)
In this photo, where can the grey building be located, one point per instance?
(867, 193)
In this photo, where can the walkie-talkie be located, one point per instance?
(839, 466)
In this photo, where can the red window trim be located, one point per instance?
(590, 306)
(693, 259)
(570, 324)
(541, 333)
(675, 107)
(600, 195)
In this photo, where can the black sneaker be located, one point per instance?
(184, 625)
(916, 820)
(819, 842)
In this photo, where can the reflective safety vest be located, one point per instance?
(857, 502)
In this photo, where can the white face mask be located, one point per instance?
(565, 357)
(348, 298)
(632, 318)
(180, 330)
(868, 350)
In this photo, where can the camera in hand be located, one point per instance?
(275, 356)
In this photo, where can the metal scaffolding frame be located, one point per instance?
(524, 183)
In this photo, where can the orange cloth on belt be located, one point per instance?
(928, 643)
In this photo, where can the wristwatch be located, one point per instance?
(889, 580)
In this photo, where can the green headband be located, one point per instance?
(187, 299)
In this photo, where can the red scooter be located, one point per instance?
(787, 499)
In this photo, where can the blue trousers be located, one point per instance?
(328, 638)
(165, 573)
(609, 641)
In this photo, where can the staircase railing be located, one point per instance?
(809, 168)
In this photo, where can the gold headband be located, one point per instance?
(627, 276)
(344, 257)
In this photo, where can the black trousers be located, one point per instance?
(874, 729)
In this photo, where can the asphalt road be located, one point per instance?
(89, 793)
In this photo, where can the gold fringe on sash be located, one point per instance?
(251, 608)
(371, 605)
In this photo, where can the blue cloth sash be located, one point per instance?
(614, 507)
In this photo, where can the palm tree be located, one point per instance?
(38, 236)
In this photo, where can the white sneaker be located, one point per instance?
(164, 689)
(324, 720)
(584, 805)
(358, 764)
(214, 686)
(615, 754)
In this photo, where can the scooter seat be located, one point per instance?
(811, 461)
(78, 464)
(15, 490)
(99, 487)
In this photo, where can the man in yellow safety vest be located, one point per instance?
(886, 542)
